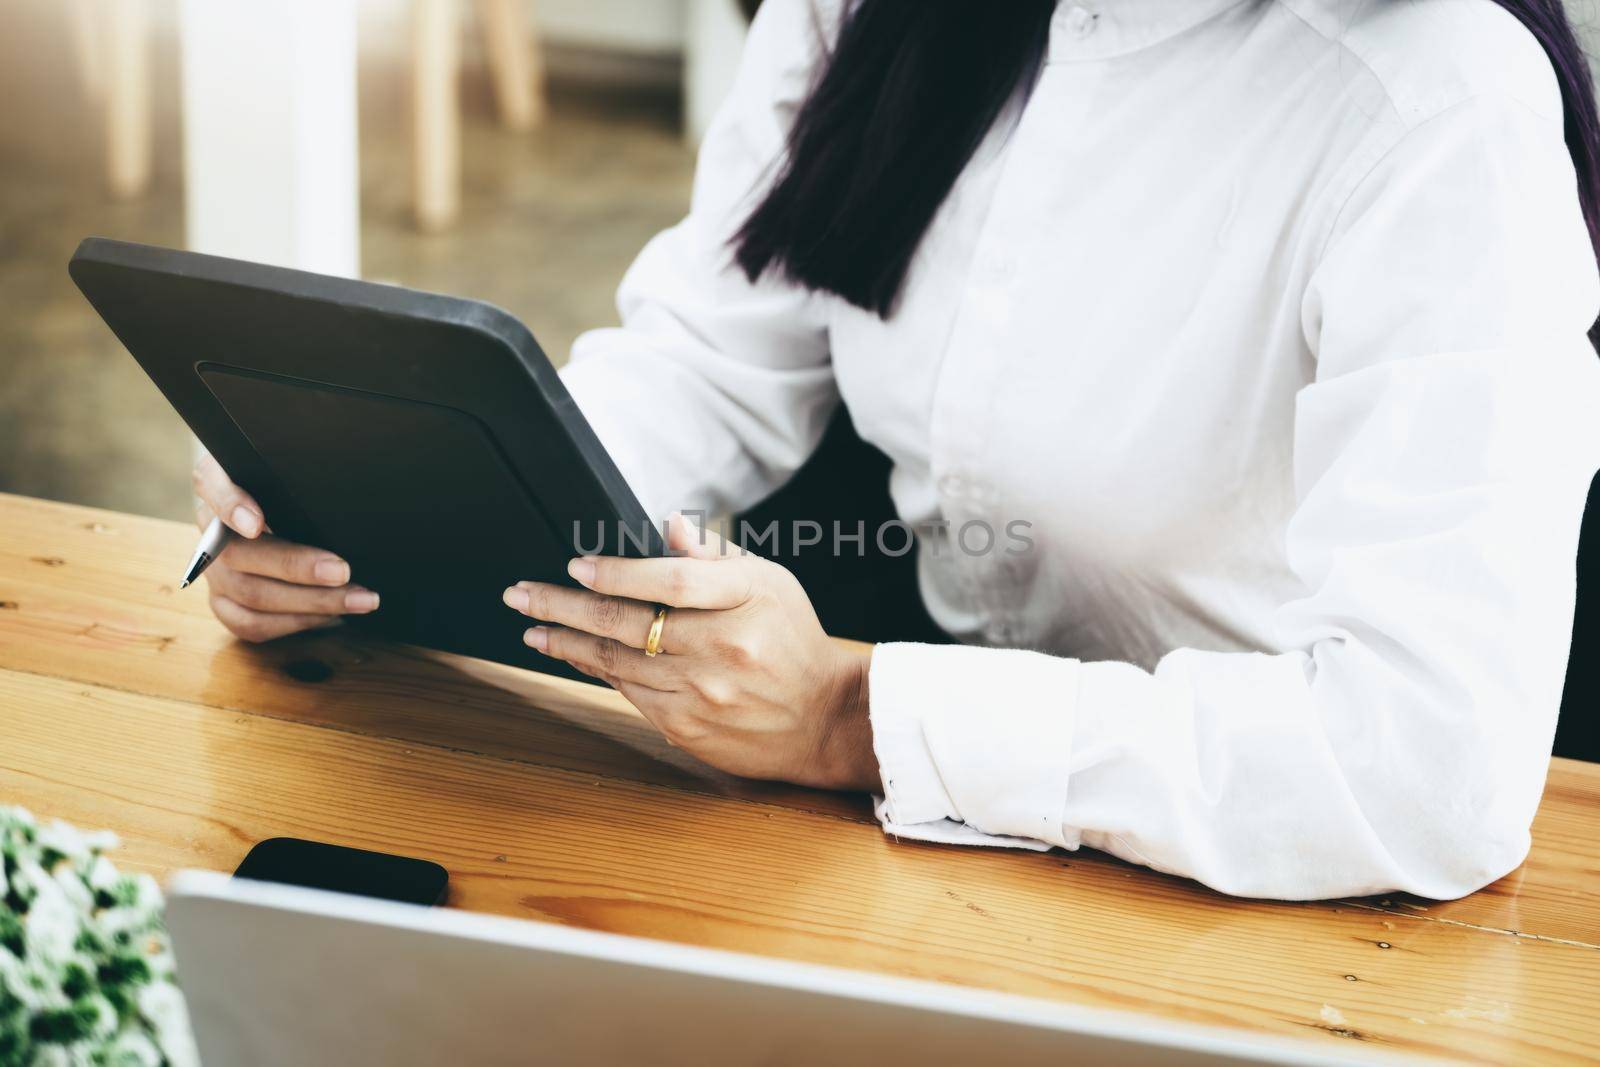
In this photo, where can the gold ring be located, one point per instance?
(652, 644)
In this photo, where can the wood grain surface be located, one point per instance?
(124, 705)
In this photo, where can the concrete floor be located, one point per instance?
(550, 221)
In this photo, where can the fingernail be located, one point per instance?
(361, 601)
(538, 638)
(516, 597)
(246, 521)
(582, 570)
(332, 571)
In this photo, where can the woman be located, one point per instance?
(1266, 319)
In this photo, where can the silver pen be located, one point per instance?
(212, 542)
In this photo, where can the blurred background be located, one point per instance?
(514, 151)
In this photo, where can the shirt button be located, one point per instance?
(1081, 21)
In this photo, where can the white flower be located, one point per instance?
(133, 1049)
(164, 1008)
(54, 1056)
(52, 923)
(101, 874)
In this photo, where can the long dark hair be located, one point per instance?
(912, 88)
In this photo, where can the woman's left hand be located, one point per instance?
(746, 679)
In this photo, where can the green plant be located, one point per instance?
(86, 973)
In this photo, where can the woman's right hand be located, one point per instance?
(262, 587)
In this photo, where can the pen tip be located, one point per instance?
(184, 584)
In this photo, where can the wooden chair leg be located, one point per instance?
(515, 62)
(88, 46)
(436, 112)
(536, 69)
(129, 127)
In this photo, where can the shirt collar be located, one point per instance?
(1101, 29)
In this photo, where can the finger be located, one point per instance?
(265, 626)
(608, 679)
(237, 508)
(653, 704)
(663, 709)
(688, 538)
(679, 582)
(272, 557)
(271, 595)
(603, 657)
(659, 709)
(628, 621)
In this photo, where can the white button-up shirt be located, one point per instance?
(1268, 319)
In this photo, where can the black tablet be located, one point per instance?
(424, 438)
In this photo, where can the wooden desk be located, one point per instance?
(124, 705)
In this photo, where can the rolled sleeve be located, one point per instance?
(971, 743)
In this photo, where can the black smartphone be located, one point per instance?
(315, 865)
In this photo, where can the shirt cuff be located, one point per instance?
(950, 832)
(973, 744)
